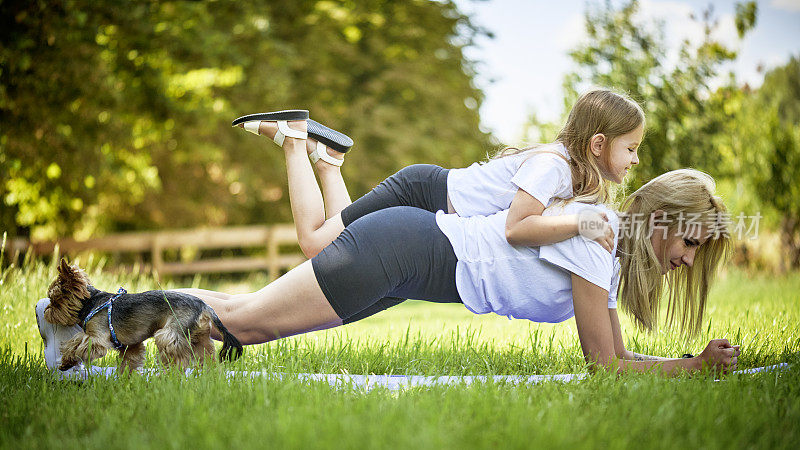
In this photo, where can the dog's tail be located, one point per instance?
(231, 347)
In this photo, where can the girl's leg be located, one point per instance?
(305, 197)
(315, 213)
(421, 185)
(334, 190)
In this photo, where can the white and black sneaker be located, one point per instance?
(53, 335)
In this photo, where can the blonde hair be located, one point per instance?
(680, 194)
(599, 111)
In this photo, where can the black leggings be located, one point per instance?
(387, 254)
(420, 185)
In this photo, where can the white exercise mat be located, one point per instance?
(368, 382)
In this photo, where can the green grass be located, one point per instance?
(209, 410)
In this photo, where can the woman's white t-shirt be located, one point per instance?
(486, 188)
(526, 282)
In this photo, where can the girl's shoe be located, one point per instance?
(53, 335)
(252, 121)
(325, 138)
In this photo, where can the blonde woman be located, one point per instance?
(412, 253)
(408, 252)
(402, 252)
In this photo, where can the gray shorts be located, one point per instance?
(391, 248)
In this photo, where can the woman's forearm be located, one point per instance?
(664, 366)
(640, 357)
(536, 230)
(668, 367)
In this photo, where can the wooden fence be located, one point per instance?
(271, 238)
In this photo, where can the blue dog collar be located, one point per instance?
(109, 304)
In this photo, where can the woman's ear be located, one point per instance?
(596, 144)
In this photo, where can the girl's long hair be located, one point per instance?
(599, 111)
(685, 196)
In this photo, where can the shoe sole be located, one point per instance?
(289, 114)
(332, 138)
(51, 360)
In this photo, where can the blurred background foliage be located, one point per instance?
(116, 119)
(698, 116)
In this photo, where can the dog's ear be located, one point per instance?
(63, 267)
(72, 278)
(67, 294)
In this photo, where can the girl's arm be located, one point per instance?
(525, 225)
(598, 342)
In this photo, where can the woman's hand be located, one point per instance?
(594, 225)
(719, 356)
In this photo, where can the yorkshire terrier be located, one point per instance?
(180, 324)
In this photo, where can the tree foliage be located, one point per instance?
(767, 133)
(749, 140)
(630, 55)
(117, 118)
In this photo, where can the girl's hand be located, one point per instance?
(594, 225)
(720, 356)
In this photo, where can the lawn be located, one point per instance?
(209, 410)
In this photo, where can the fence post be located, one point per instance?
(156, 255)
(272, 255)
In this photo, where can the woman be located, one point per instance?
(387, 255)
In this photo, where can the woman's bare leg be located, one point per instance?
(204, 292)
(205, 295)
(292, 304)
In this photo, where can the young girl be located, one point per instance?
(597, 145)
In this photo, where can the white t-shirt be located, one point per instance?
(486, 188)
(526, 282)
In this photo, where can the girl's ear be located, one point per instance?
(596, 144)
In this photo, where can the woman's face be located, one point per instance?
(675, 248)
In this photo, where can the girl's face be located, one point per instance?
(674, 249)
(616, 157)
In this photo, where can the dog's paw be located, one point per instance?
(66, 365)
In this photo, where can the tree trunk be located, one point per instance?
(790, 237)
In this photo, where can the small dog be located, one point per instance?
(179, 323)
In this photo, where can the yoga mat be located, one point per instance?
(369, 382)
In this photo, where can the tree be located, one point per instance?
(767, 133)
(119, 118)
(624, 54)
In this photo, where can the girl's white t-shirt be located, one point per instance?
(526, 282)
(486, 188)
